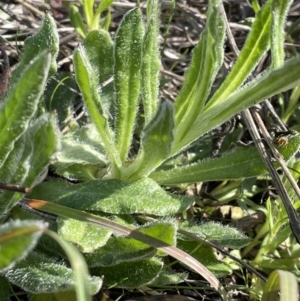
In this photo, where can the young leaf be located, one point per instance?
(17, 239)
(88, 84)
(157, 138)
(128, 60)
(240, 163)
(76, 21)
(151, 62)
(207, 59)
(21, 103)
(115, 197)
(88, 6)
(102, 6)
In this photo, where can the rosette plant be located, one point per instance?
(128, 149)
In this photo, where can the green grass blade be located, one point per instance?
(78, 265)
(128, 60)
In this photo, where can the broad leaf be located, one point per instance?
(217, 233)
(38, 274)
(29, 159)
(114, 197)
(21, 103)
(87, 237)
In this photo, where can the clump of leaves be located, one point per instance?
(120, 185)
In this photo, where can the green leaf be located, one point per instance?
(257, 43)
(279, 10)
(115, 197)
(127, 77)
(102, 6)
(283, 283)
(264, 87)
(151, 62)
(82, 155)
(223, 236)
(157, 138)
(124, 249)
(99, 49)
(88, 84)
(29, 159)
(207, 59)
(118, 250)
(87, 237)
(206, 256)
(88, 11)
(17, 239)
(45, 40)
(130, 274)
(242, 162)
(21, 103)
(77, 22)
(38, 274)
